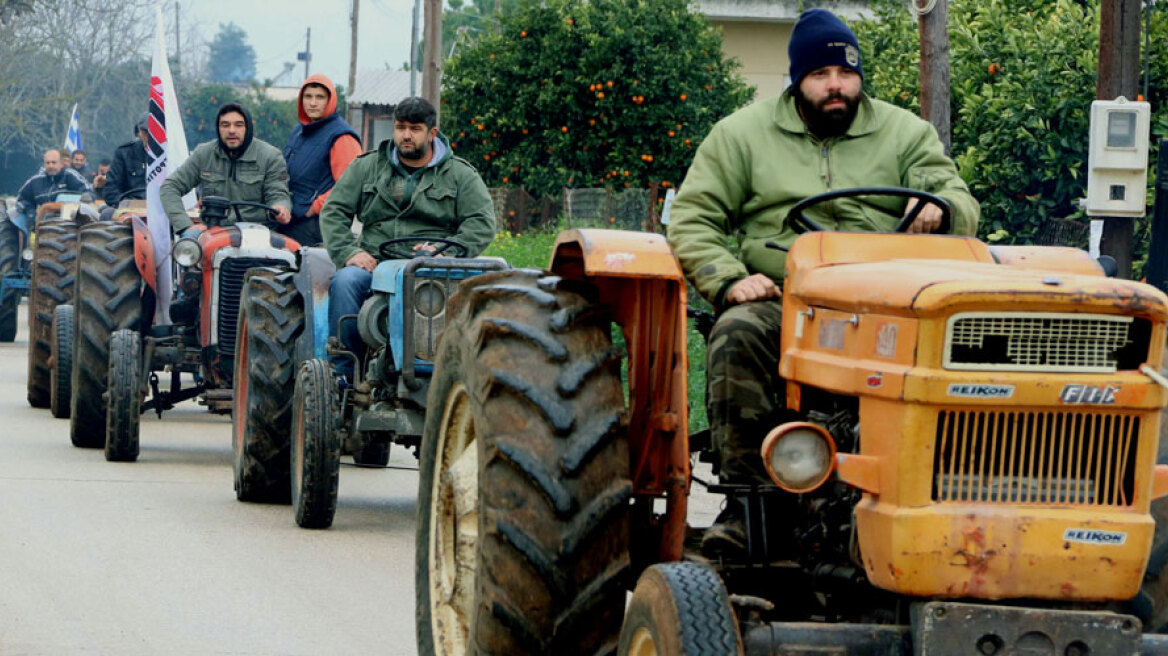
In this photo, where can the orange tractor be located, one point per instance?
(117, 347)
(968, 465)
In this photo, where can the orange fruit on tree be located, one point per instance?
(563, 128)
(600, 95)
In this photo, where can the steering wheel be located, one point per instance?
(122, 196)
(388, 251)
(236, 204)
(801, 223)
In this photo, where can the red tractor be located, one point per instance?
(118, 349)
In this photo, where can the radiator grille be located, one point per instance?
(230, 283)
(1066, 458)
(1039, 342)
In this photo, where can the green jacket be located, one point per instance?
(445, 199)
(761, 160)
(259, 176)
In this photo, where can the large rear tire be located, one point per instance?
(9, 263)
(680, 609)
(271, 317)
(61, 374)
(524, 490)
(125, 396)
(53, 268)
(108, 298)
(316, 445)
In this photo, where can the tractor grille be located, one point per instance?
(231, 273)
(1046, 342)
(1065, 458)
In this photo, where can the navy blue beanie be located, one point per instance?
(820, 39)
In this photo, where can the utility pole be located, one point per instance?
(1119, 75)
(414, 49)
(353, 46)
(933, 23)
(307, 51)
(432, 74)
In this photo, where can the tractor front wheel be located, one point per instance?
(680, 609)
(316, 445)
(62, 358)
(523, 500)
(125, 396)
(271, 318)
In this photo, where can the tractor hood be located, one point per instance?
(938, 275)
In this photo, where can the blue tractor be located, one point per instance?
(291, 418)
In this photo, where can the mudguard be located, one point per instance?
(144, 256)
(312, 281)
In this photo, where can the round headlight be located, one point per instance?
(26, 254)
(799, 456)
(187, 252)
(429, 299)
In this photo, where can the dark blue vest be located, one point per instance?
(309, 171)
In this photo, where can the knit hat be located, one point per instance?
(141, 123)
(820, 39)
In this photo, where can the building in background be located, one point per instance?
(757, 31)
(370, 111)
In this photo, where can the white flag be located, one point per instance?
(73, 135)
(167, 147)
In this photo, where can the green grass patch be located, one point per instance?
(532, 250)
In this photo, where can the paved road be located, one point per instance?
(157, 556)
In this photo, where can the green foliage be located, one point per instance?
(232, 57)
(273, 119)
(1022, 82)
(589, 93)
(464, 21)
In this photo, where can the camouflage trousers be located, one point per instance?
(743, 389)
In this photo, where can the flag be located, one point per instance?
(167, 150)
(73, 136)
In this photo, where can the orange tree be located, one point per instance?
(588, 93)
(1023, 78)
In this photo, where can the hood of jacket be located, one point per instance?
(330, 107)
(234, 153)
(440, 146)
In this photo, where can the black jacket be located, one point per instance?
(42, 188)
(127, 172)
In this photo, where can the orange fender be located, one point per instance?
(641, 283)
(144, 256)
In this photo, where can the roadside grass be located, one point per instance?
(533, 249)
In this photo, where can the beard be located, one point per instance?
(827, 123)
(412, 151)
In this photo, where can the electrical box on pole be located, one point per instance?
(1117, 158)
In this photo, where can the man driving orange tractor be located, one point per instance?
(822, 133)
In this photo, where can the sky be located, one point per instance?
(276, 30)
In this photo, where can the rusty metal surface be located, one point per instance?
(956, 628)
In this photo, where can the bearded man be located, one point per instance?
(823, 133)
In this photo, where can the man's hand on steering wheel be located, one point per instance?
(282, 215)
(928, 221)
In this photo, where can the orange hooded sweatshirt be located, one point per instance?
(345, 149)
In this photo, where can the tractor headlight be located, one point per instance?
(187, 252)
(26, 254)
(429, 299)
(799, 456)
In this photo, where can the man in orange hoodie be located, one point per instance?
(319, 151)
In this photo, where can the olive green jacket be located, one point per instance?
(258, 175)
(445, 199)
(760, 161)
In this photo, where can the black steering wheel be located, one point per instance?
(136, 190)
(801, 223)
(216, 208)
(388, 250)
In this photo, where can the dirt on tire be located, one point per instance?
(533, 355)
(108, 298)
(271, 317)
(681, 609)
(53, 268)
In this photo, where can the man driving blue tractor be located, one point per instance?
(413, 186)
